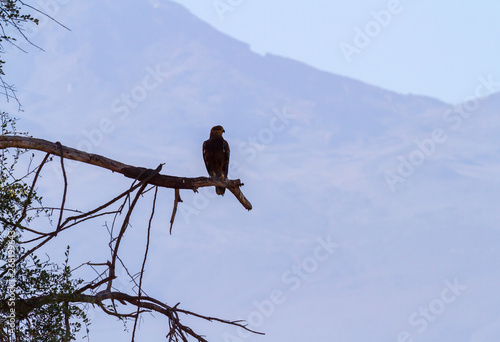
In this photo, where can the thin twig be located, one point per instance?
(126, 222)
(30, 194)
(45, 14)
(65, 188)
(139, 293)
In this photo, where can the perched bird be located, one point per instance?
(216, 156)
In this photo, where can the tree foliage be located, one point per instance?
(31, 277)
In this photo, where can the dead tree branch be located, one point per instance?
(140, 173)
(139, 291)
(177, 199)
(25, 306)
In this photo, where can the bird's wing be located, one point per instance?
(205, 155)
(225, 149)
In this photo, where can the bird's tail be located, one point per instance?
(220, 190)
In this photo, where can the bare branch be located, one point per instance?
(30, 194)
(65, 187)
(24, 306)
(177, 199)
(139, 292)
(45, 14)
(129, 171)
(125, 225)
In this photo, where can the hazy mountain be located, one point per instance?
(404, 186)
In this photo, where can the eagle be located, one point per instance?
(216, 156)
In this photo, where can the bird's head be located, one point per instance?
(216, 131)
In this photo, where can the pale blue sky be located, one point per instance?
(426, 47)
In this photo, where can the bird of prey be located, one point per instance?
(216, 156)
